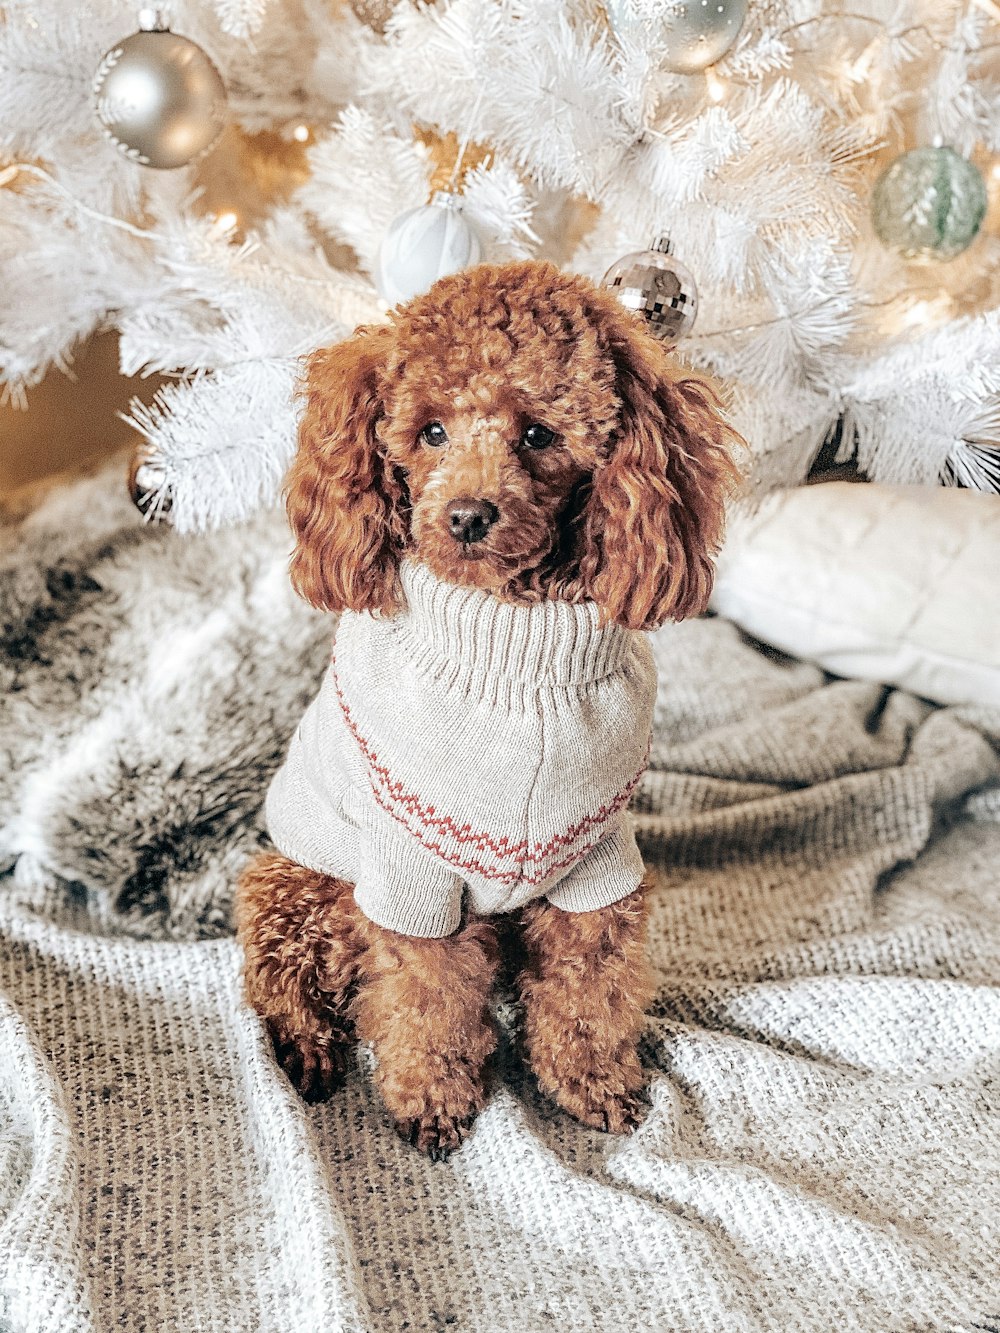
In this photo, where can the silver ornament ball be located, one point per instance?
(148, 485)
(657, 286)
(159, 97)
(424, 244)
(694, 34)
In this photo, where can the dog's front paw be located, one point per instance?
(612, 1112)
(315, 1064)
(614, 1105)
(436, 1135)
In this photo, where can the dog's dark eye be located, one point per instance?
(434, 434)
(537, 436)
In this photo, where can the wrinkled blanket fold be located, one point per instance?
(822, 1149)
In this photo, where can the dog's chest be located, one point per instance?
(505, 778)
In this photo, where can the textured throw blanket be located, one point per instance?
(823, 1147)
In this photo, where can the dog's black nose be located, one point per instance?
(470, 520)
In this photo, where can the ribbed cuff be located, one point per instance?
(402, 888)
(609, 872)
(304, 828)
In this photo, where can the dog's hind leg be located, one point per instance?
(302, 948)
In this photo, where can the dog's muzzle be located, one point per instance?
(470, 520)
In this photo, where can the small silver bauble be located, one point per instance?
(658, 287)
(147, 484)
(695, 33)
(929, 204)
(158, 96)
(424, 244)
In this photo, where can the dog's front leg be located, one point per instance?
(585, 986)
(424, 1006)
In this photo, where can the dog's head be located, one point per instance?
(515, 429)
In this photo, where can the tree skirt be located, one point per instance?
(823, 1147)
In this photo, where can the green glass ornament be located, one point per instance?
(929, 204)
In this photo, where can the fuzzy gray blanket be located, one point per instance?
(823, 1146)
(148, 685)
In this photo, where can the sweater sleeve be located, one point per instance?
(611, 870)
(400, 885)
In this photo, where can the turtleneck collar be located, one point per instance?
(544, 643)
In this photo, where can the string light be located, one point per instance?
(301, 133)
(926, 313)
(859, 70)
(716, 87)
(224, 222)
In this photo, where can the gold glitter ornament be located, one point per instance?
(373, 14)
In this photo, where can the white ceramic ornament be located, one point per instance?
(424, 244)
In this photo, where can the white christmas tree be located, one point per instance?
(575, 132)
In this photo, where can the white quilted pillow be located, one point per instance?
(899, 584)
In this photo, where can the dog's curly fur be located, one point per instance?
(625, 508)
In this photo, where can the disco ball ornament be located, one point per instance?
(424, 244)
(658, 287)
(929, 204)
(158, 96)
(694, 34)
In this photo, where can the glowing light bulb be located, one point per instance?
(857, 71)
(301, 133)
(224, 222)
(926, 312)
(715, 86)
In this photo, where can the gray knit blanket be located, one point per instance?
(822, 1150)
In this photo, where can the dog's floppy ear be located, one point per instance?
(656, 512)
(344, 502)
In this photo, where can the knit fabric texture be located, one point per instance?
(465, 744)
(822, 1151)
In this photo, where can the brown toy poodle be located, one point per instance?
(513, 444)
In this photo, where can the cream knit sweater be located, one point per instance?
(469, 745)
